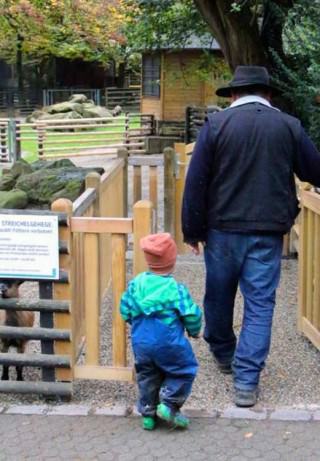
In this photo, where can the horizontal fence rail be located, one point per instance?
(128, 98)
(24, 102)
(53, 332)
(195, 117)
(62, 138)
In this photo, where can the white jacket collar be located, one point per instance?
(251, 98)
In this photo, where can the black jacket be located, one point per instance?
(241, 176)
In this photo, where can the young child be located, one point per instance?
(159, 309)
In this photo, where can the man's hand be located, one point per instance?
(195, 248)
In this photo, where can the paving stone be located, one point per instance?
(69, 410)
(116, 410)
(26, 410)
(98, 437)
(194, 413)
(243, 413)
(290, 415)
(316, 415)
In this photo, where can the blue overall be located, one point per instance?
(164, 361)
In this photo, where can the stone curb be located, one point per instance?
(298, 413)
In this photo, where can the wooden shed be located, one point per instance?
(173, 79)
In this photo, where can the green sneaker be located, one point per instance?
(165, 413)
(181, 421)
(148, 423)
(176, 419)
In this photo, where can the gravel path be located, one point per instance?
(292, 374)
(291, 377)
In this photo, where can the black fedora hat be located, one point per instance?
(247, 76)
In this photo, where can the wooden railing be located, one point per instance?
(153, 165)
(128, 98)
(176, 162)
(54, 332)
(309, 266)
(118, 228)
(63, 138)
(195, 117)
(103, 198)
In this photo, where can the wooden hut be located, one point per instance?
(173, 79)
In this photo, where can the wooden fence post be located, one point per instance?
(169, 190)
(137, 185)
(142, 226)
(180, 149)
(153, 191)
(41, 131)
(119, 332)
(93, 180)
(63, 291)
(123, 153)
(18, 140)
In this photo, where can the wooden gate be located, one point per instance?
(309, 266)
(119, 228)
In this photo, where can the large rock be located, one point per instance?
(79, 98)
(63, 162)
(47, 184)
(96, 112)
(35, 115)
(14, 199)
(20, 167)
(68, 106)
(7, 182)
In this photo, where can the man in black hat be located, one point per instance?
(240, 199)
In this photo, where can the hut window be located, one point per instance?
(151, 75)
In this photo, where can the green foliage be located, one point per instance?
(86, 29)
(301, 82)
(158, 24)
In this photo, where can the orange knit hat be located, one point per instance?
(160, 251)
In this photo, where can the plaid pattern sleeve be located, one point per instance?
(190, 313)
(126, 303)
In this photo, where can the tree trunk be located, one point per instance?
(236, 32)
(19, 62)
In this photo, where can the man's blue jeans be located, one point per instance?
(253, 262)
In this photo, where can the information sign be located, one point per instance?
(29, 246)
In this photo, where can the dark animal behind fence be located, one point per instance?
(12, 318)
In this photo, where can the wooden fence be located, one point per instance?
(309, 266)
(304, 237)
(24, 102)
(14, 101)
(154, 165)
(4, 140)
(195, 116)
(54, 332)
(128, 98)
(93, 241)
(64, 138)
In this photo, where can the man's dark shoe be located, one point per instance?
(224, 368)
(246, 398)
